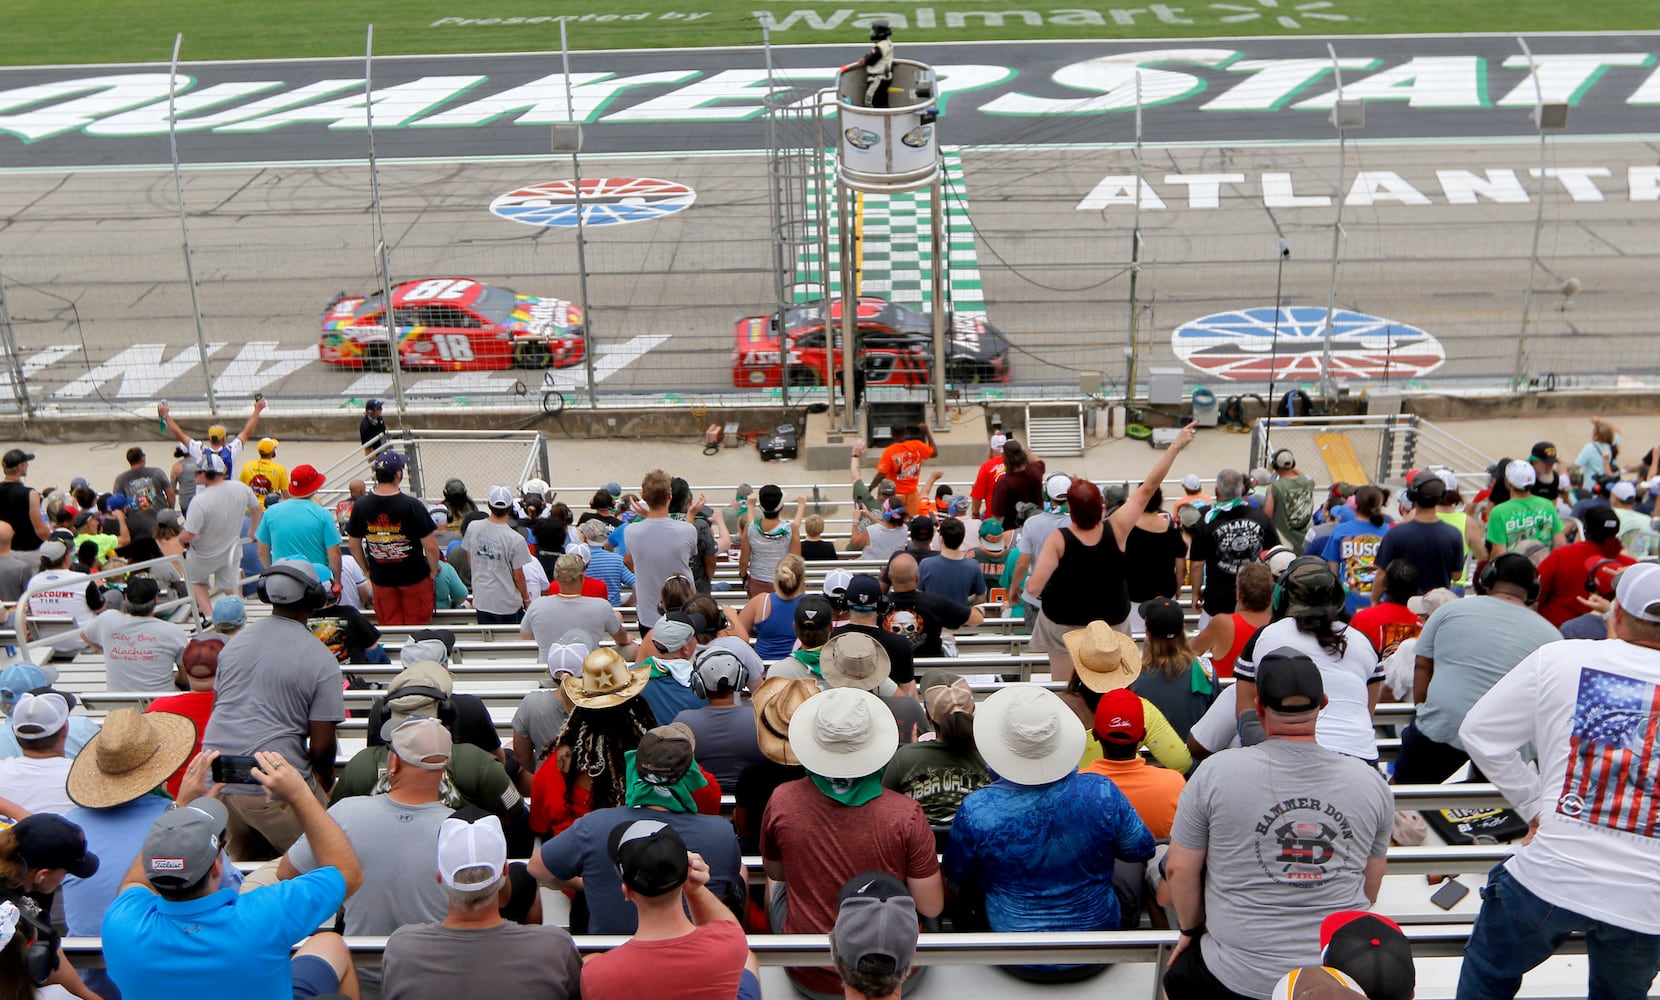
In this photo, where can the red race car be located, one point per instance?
(894, 347)
(453, 324)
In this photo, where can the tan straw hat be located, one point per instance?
(606, 680)
(131, 756)
(775, 702)
(1105, 658)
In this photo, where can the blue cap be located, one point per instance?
(614, 489)
(18, 680)
(373, 404)
(390, 461)
(229, 612)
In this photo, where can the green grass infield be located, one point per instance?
(86, 31)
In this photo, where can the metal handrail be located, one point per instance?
(81, 579)
(978, 949)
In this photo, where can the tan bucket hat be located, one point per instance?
(1105, 658)
(133, 754)
(606, 680)
(775, 702)
(854, 660)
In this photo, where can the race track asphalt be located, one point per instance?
(92, 268)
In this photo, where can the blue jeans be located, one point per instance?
(1516, 931)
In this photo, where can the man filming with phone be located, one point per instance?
(173, 921)
(278, 688)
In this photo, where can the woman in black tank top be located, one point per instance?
(1079, 573)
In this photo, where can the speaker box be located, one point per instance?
(779, 446)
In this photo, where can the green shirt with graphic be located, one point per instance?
(1520, 518)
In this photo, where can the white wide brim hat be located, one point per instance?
(844, 733)
(1027, 735)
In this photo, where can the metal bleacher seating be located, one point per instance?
(498, 666)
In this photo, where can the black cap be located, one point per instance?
(922, 528)
(871, 885)
(814, 611)
(864, 593)
(1164, 617)
(770, 498)
(142, 590)
(1543, 451)
(16, 457)
(443, 635)
(1601, 523)
(1288, 682)
(47, 840)
(649, 855)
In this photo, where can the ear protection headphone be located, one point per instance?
(380, 711)
(884, 604)
(1595, 570)
(1289, 463)
(315, 593)
(718, 671)
(1416, 485)
(701, 625)
(1488, 578)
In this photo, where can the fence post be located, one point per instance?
(14, 362)
(581, 235)
(1328, 387)
(1519, 373)
(382, 252)
(1135, 258)
(184, 226)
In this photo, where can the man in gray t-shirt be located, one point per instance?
(568, 617)
(140, 651)
(278, 688)
(395, 836)
(1267, 841)
(1465, 648)
(656, 547)
(213, 531)
(497, 555)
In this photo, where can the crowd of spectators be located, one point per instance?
(1208, 760)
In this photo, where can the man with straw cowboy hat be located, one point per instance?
(1037, 841)
(821, 830)
(775, 703)
(111, 782)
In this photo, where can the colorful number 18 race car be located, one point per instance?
(453, 324)
(894, 347)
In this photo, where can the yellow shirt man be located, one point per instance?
(264, 474)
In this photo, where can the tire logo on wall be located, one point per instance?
(606, 201)
(1242, 345)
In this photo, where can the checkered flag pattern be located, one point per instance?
(894, 230)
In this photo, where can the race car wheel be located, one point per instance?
(531, 354)
(804, 378)
(377, 358)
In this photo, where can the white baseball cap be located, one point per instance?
(835, 584)
(998, 441)
(1624, 491)
(501, 498)
(565, 658)
(1055, 486)
(1192, 483)
(37, 716)
(1638, 592)
(463, 845)
(1520, 475)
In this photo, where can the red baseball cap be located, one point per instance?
(1120, 718)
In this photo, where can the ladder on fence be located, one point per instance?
(1058, 432)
